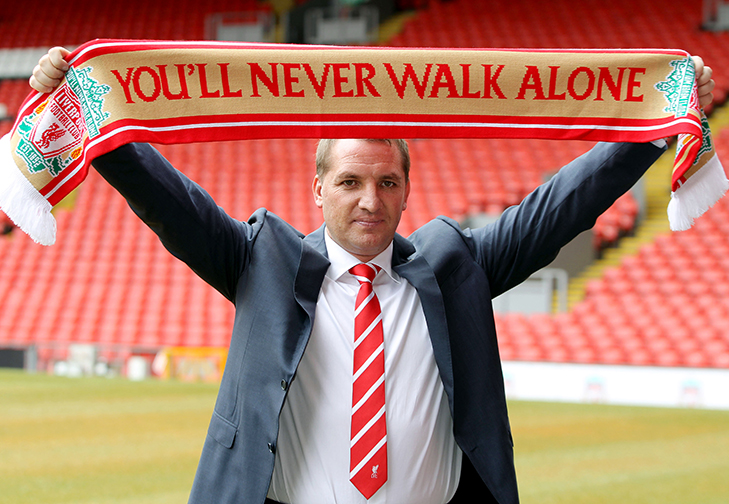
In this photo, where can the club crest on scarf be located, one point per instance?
(51, 137)
(678, 89)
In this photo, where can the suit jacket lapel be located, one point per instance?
(313, 265)
(411, 265)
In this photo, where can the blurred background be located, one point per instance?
(627, 292)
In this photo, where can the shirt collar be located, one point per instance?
(341, 260)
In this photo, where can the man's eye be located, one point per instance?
(389, 183)
(349, 183)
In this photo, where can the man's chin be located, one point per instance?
(369, 248)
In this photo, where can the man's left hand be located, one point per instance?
(704, 81)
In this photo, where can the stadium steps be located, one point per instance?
(654, 223)
(394, 25)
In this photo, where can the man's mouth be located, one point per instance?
(368, 222)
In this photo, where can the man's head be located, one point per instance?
(324, 149)
(362, 187)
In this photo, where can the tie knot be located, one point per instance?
(364, 272)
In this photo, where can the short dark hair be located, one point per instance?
(325, 146)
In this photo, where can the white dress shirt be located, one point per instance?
(312, 456)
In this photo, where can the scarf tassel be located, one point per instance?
(699, 193)
(21, 202)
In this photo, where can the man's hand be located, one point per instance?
(49, 71)
(704, 81)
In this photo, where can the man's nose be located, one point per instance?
(370, 199)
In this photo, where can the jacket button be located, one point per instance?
(284, 385)
(271, 448)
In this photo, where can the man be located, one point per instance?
(284, 422)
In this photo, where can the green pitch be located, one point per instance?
(594, 454)
(99, 441)
(114, 441)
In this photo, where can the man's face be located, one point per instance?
(362, 196)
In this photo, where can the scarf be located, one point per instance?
(121, 91)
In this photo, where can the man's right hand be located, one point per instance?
(49, 71)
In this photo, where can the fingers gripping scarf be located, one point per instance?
(121, 91)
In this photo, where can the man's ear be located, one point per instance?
(316, 188)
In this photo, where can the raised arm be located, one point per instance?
(529, 236)
(184, 216)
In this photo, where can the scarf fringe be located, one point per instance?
(700, 192)
(21, 202)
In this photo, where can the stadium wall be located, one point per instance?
(618, 385)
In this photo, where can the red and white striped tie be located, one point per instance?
(368, 449)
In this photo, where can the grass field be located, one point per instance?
(114, 441)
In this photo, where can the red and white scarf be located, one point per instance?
(121, 91)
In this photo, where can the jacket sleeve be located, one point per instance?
(184, 216)
(529, 236)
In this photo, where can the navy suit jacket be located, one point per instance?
(273, 273)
